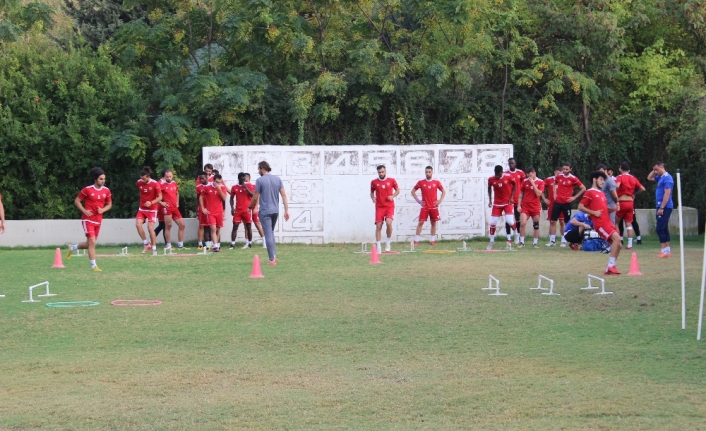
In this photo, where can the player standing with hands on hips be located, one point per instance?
(383, 191)
(430, 203)
(96, 200)
(268, 189)
(665, 185)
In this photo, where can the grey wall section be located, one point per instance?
(35, 233)
(61, 232)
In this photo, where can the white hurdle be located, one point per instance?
(464, 248)
(78, 253)
(411, 248)
(31, 298)
(363, 249)
(492, 279)
(592, 287)
(169, 251)
(539, 286)
(123, 252)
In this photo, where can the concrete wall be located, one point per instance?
(122, 231)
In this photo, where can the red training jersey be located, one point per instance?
(148, 192)
(594, 200)
(518, 176)
(529, 197)
(383, 189)
(200, 189)
(627, 184)
(169, 193)
(502, 189)
(565, 187)
(549, 186)
(242, 198)
(198, 180)
(429, 191)
(93, 199)
(212, 199)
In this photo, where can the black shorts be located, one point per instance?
(558, 208)
(574, 236)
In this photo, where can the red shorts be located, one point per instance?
(605, 231)
(170, 211)
(626, 211)
(549, 213)
(214, 219)
(531, 211)
(382, 213)
(149, 215)
(498, 210)
(255, 217)
(91, 229)
(242, 216)
(429, 213)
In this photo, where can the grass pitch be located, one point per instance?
(327, 341)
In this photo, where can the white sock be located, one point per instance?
(563, 240)
(669, 250)
(534, 241)
(378, 244)
(200, 243)
(416, 238)
(433, 238)
(522, 239)
(154, 248)
(74, 247)
(145, 242)
(388, 241)
(629, 242)
(492, 237)
(233, 242)
(611, 261)
(509, 237)
(93, 264)
(552, 238)
(180, 244)
(639, 238)
(169, 245)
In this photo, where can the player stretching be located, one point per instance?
(518, 176)
(530, 205)
(96, 201)
(170, 208)
(563, 188)
(241, 213)
(383, 191)
(503, 187)
(211, 198)
(628, 188)
(430, 203)
(150, 196)
(594, 204)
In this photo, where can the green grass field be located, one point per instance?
(327, 341)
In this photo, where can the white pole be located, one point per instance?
(681, 252)
(703, 284)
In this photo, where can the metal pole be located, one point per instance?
(703, 285)
(681, 252)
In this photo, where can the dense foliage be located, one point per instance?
(587, 81)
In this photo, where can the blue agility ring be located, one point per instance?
(71, 304)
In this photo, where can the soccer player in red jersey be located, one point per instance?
(150, 196)
(208, 170)
(628, 188)
(211, 198)
(503, 186)
(383, 191)
(170, 208)
(518, 175)
(530, 205)
(564, 185)
(240, 212)
(2, 216)
(96, 200)
(549, 187)
(430, 203)
(250, 189)
(594, 204)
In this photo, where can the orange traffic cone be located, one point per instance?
(634, 265)
(256, 271)
(374, 257)
(58, 263)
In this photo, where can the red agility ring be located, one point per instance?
(135, 302)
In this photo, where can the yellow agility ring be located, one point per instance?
(439, 251)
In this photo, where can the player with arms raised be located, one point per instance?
(170, 208)
(241, 212)
(564, 185)
(503, 187)
(628, 188)
(430, 203)
(594, 204)
(150, 196)
(383, 191)
(530, 205)
(211, 198)
(93, 201)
